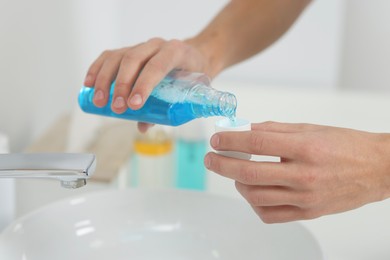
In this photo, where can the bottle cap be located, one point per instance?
(238, 124)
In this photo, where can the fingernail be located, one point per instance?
(136, 100)
(207, 161)
(214, 141)
(119, 102)
(99, 95)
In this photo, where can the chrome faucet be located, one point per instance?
(71, 169)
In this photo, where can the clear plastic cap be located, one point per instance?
(238, 124)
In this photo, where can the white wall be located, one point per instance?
(308, 55)
(47, 46)
(38, 66)
(366, 49)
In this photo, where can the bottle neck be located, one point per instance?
(211, 102)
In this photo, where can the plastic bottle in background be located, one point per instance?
(152, 163)
(191, 147)
(180, 97)
(7, 191)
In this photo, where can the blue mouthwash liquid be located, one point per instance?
(233, 121)
(172, 102)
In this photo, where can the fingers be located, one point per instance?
(137, 70)
(143, 127)
(132, 62)
(268, 187)
(271, 126)
(277, 204)
(256, 142)
(281, 214)
(124, 65)
(250, 172)
(268, 195)
(93, 71)
(101, 73)
(154, 71)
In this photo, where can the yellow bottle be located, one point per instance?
(152, 165)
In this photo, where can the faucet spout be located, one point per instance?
(71, 169)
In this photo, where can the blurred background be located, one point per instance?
(331, 67)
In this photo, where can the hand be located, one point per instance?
(138, 69)
(322, 170)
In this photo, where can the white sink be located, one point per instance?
(151, 225)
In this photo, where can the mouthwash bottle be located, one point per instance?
(180, 97)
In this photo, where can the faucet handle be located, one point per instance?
(72, 169)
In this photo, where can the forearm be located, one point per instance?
(244, 28)
(384, 148)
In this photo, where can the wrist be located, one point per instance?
(385, 144)
(381, 169)
(212, 55)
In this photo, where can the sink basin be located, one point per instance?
(150, 225)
